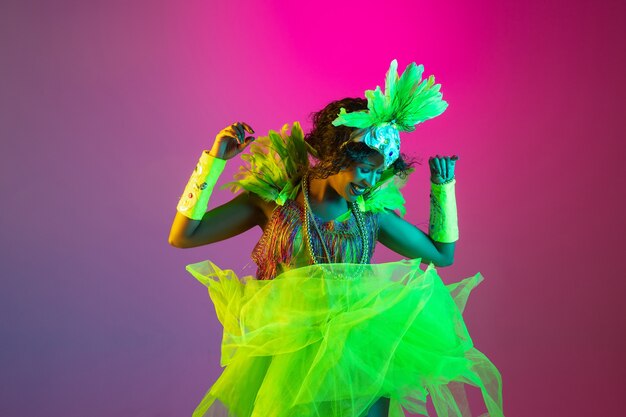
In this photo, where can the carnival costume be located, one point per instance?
(320, 331)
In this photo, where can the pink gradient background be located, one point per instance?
(105, 107)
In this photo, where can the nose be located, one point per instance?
(371, 179)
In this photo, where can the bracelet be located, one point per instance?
(449, 180)
(195, 199)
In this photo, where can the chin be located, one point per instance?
(345, 194)
(351, 198)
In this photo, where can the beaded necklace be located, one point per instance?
(308, 214)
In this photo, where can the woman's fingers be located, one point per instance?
(231, 140)
(435, 171)
(453, 160)
(433, 166)
(442, 167)
(232, 134)
(235, 131)
(241, 133)
(438, 166)
(247, 127)
(241, 128)
(245, 143)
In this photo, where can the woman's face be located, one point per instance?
(355, 180)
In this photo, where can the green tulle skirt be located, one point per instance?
(330, 340)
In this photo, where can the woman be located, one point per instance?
(321, 331)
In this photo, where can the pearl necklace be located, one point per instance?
(308, 214)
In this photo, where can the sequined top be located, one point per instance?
(282, 247)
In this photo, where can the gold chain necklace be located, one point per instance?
(308, 214)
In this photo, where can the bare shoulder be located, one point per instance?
(389, 219)
(395, 231)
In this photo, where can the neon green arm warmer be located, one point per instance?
(195, 200)
(444, 225)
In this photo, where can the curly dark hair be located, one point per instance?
(329, 142)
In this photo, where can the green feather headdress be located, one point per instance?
(407, 101)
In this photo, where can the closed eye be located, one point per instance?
(368, 169)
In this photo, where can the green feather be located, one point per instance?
(274, 161)
(406, 101)
(358, 119)
(386, 195)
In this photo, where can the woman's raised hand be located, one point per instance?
(442, 168)
(232, 140)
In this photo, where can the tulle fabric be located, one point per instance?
(329, 340)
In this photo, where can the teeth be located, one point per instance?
(358, 189)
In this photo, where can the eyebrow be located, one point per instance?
(368, 163)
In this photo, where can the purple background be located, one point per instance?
(105, 107)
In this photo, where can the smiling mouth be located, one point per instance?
(357, 189)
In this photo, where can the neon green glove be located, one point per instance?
(195, 200)
(444, 225)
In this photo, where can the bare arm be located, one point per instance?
(407, 240)
(228, 220)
